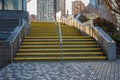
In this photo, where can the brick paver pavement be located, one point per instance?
(66, 70)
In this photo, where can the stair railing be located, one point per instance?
(107, 44)
(16, 37)
(60, 38)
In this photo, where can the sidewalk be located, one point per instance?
(67, 70)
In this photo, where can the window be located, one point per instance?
(12, 4)
(0, 4)
(92, 2)
(98, 2)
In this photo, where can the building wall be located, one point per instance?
(77, 7)
(103, 10)
(61, 6)
(47, 9)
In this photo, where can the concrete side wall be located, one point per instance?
(4, 53)
(10, 45)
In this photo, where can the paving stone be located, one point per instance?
(66, 70)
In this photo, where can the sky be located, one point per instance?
(32, 6)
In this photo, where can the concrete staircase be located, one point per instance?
(43, 44)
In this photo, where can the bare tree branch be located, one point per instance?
(114, 5)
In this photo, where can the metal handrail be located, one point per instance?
(60, 38)
(17, 33)
(11, 42)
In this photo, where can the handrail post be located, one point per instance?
(60, 36)
(11, 50)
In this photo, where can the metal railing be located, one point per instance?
(59, 33)
(16, 38)
(107, 44)
(60, 37)
(9, 46)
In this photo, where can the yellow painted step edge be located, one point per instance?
(33, 54)
(56, 46)
(58, 58)
(59, 42)
(59, 49)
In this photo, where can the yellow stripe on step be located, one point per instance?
(58, 58)
(57, 46)
(22, 50)
(70, 53)
(78, 43)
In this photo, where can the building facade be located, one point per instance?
(47, 9)
(100, 8)
(77, 7)
(12, 4)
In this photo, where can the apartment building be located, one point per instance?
(47, 9)
(102, 10)
(77, 7)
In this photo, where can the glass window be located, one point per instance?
(0, 4)
(92, 2)
(12, 4)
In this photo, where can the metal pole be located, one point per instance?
(60, 35)
(11, 52)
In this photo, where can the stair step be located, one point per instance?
(64, 43)
(58, 50)
(58, 54)
(57, 46)
(77, 37)
(59, 58)
(64, 37)
(33, 40)
(42, 37)
(42, 34)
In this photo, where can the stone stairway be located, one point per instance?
(43, 44)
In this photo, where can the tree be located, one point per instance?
(114, 5)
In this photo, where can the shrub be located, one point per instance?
(83, 18)
(116, 36)
(107, 26)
